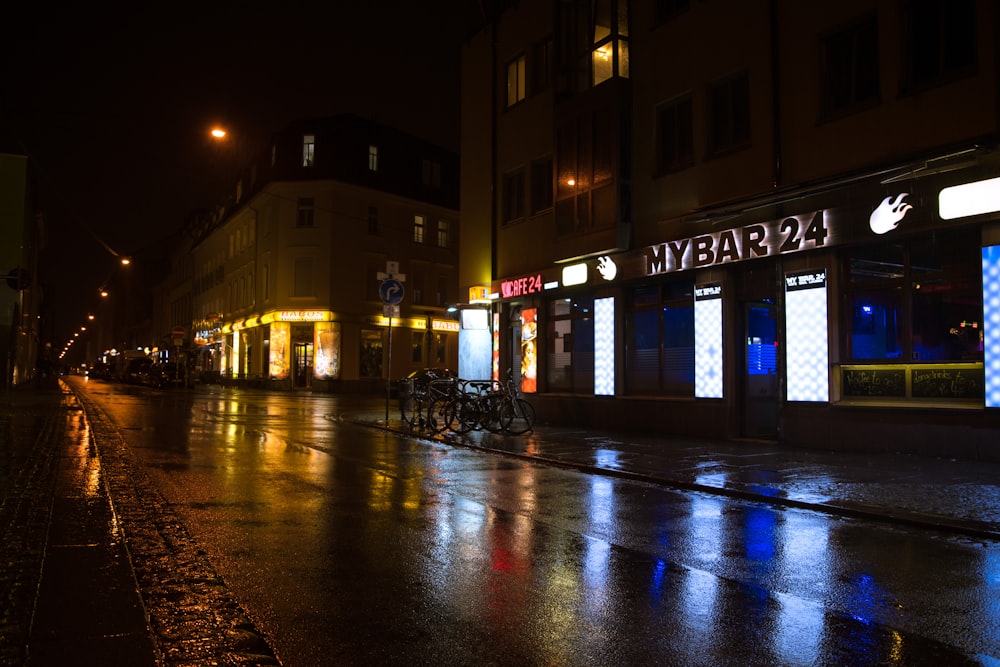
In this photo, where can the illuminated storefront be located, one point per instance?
(881, 306)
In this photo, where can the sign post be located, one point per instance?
(391, 292)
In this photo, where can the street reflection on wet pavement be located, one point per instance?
(353, 545)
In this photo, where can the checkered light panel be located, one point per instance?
(708, 348)
(604, 346)
(991, 324)
(806, 345)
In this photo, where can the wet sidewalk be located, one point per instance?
(940, 494)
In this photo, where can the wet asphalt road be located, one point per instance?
(348, 545)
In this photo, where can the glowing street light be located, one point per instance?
(218, 133)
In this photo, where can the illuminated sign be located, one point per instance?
(607, 268)
(574, 274)
(302, 315)
(766, 239)
(521, 286)
(968, 199)
(479, 294)
(888, 214)
(708, 341)
(444, 325)
(806, 327)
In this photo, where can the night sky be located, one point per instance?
(114, 102)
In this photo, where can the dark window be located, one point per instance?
(675, 135)
(729, 114)
(541, 66)
(939, 40)
(307, 212)
(660, 340)
(919, 300)
(516, 83)
(570, 358)
(541, 185)
(850, 67)
(513, 196)
(373, 220)
(431, 174)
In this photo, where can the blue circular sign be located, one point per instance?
(391, 291)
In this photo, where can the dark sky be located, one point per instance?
(113, 102)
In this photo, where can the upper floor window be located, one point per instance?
(939, 40)
(516, 83)
(306, 212)
(513, 195)
(729, 114)
(373, 220)
(419, 227)
(308, 150)
(850, 66)
(302, 284)
(431, 173)
(541, 66)
(443, 235)
(675, 134)
(372, 158)
(609, 52)
(541, 185)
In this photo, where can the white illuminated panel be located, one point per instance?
(807, 350)
(604, 346)
(969, 199)
(708, 341)
(574, 274)
(991, 324)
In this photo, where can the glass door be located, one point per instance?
(760, 370)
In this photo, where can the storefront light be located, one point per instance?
(974, 198)
(574, 274)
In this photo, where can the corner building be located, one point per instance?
(742, 219)
(286, 278)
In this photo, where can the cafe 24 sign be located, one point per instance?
(794, 233)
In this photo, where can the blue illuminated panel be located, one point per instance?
(807, 345)
(604, 346)
(991, 326)
(708, 341)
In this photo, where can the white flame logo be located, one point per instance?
(888, 214)
(607, 268)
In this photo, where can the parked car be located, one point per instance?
(166, 374)
(137, 370)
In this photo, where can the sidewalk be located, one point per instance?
(940, 494)
(68, 587)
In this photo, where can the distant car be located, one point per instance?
(166, 374)
(137, 370)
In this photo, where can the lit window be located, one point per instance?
(516, 89)
(419, 225)
(609, 51)
(373, 158)
(308, 150)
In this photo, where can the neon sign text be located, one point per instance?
(521, 286)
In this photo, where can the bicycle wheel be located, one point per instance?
(501, 415)
(410, 408)
(522, 417)
(462, 416)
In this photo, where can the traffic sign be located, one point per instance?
(391, 291)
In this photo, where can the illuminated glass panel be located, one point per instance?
(326, 364)
(991, 319)
(278, 362)
(529, 350)
(806, 334)
(604, 346)
(708, 341)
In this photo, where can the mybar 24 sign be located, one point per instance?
(766, 239)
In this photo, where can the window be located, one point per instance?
(729, 114)
(442, 291)
(918, 301)
(516, 81)
(513, 196)
(431, 174)
(443, 239)
(417, 347)
(373, 220)
(303, 280)
(541, 185)
(306, 213)
(939, 40)
(371, 354)
(675, 135)
(541, 66)
(660, 340)
(417, 286)
(609, 53)
(372, 158)
(850, 66)
(570, 358)
(308, 150)
(419, 226)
